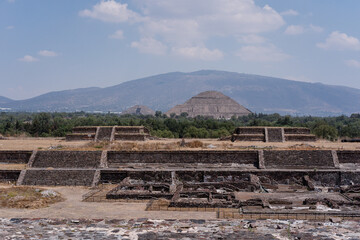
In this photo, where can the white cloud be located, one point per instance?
(11, 1)
(10, 27)
(185, 25)
(340, 41)
(201, 53)
(110, 11)
(268, 53)
(119, 34)
(353, 63)
(294, 30)
(47, 53)
(173, 31)
(150, 46)
(315, 28)
(28, 58)
(299, 29)
(289, 12)
(252, 39)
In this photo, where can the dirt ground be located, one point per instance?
(74, 208)
(165, 144)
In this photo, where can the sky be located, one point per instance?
(52, 45)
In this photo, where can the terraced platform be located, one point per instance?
(106, 133)
(327, 167)
(272, 134)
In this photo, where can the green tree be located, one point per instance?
(41, 124)
(326, 131)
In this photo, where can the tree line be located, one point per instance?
(59, 124)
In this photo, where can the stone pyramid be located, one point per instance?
(210, 104)
(139, 110)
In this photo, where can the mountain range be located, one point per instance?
(162, 92)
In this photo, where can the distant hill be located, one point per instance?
(4, 100)
(162, 92)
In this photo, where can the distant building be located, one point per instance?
(210, 104)
(139, 110)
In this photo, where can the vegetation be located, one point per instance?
(59, 124)
(27, 197)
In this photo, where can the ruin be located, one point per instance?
(234, 184)
(210, 104)
(253, 181)
(112, 133)
(139, 110)
(272, 134)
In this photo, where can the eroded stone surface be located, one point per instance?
(17, 228)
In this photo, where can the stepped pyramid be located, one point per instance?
(139, 110)
(210, 104)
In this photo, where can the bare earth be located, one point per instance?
(74, 208)
(166, 144)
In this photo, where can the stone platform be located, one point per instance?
(272, 134)
(109, 133)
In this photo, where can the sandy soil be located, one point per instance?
(167, 144)
(74, 208)
(35, 143)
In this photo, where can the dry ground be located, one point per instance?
(164, 144)
(73, 208)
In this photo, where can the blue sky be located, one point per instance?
(56, 45)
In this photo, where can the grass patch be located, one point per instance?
(28, 197)
(194, 144)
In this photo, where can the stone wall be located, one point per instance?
(130, 137)
(59, 177)
(104, 134)
(91, 130)
(116, 176)
(300, 138)
(274, 134)
(80, 137)
(326, 178)
(349, 178)
(9, 175)
(67, 159)
(290, 130)
(15, 157)
(298, 159)
(116, 159)
(78, 167)
(248, 137)
(349, 157)
(131, 129)
(250, 130)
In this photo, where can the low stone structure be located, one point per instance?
(324, 167)
(236, 182)
(61, 177)
(15, 157)
(187, 159)
(105, 133)
(314, 159)
(67, 159)
(9, 175)
(272, 134)
(139, 110)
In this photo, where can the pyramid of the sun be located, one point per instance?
(210, 104)
(139, 110)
